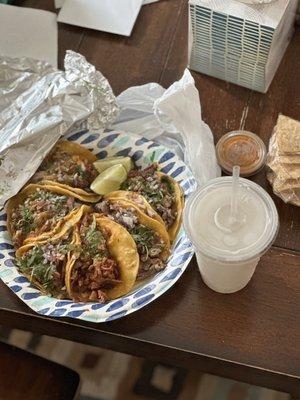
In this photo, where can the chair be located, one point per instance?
(29, 377)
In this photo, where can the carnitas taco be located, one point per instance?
(70, 165)
(37, 212)
(105, 264)
(150, 236)
(44, 262)
(162, 192)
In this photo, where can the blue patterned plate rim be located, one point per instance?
(144, 152)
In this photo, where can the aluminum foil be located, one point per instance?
(38, 105)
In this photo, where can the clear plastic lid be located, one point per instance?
(241, 148)
(249, 238)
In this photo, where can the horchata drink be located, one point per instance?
(231, 224)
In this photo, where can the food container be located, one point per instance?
(227, 255)
(241, 148)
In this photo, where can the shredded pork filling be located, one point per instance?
(94, 270)
(69, 169)
(38, 214)
(149, 244)
(158, 192)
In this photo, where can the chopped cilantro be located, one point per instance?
(168, 183)
(27, 219)
(33, 264)
(93, 240)
(143, 238)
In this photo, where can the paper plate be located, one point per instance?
(143, 152)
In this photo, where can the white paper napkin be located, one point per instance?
(27, 32)
(149, 1)
(113, 16)
(59, 3)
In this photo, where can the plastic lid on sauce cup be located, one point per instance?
(241, 148)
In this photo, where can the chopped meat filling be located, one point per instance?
(38, 214)
(45, 264)
(94, 270)
(158, 192)
(149, 244)
(65, 168)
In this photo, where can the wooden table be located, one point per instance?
(252, 335)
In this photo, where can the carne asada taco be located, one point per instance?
(70, 164)
(105, 263)
(138, 200)
(150, 236)
(38, 212)
(162, 192)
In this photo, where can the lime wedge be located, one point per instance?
(102, 165)
(109, 180)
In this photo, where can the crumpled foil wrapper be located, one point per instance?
(38, 105)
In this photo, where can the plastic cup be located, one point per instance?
(227, 255)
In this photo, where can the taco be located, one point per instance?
(79, 194)
(150, 236)
(138, 200)
(44, 262)
(105, 264)
(37, 212)
(69, 164)
(162, 192)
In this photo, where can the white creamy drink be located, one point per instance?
(228, 249)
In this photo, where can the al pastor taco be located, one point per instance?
(69, 164)
(150, 236)
(162, 192)
(105, 264)
(37, 212)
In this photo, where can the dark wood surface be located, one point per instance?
(253, 335)
(26, 376)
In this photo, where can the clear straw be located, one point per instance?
(234, 193)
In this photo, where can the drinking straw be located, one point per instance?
(234, 196)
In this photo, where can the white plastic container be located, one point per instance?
(228, 254)
(240, 43)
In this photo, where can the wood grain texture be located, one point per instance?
(141, 58)
(252, 335)
(227, 107)
(257, 327)
(29, 377)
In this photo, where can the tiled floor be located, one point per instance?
(107, 375)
